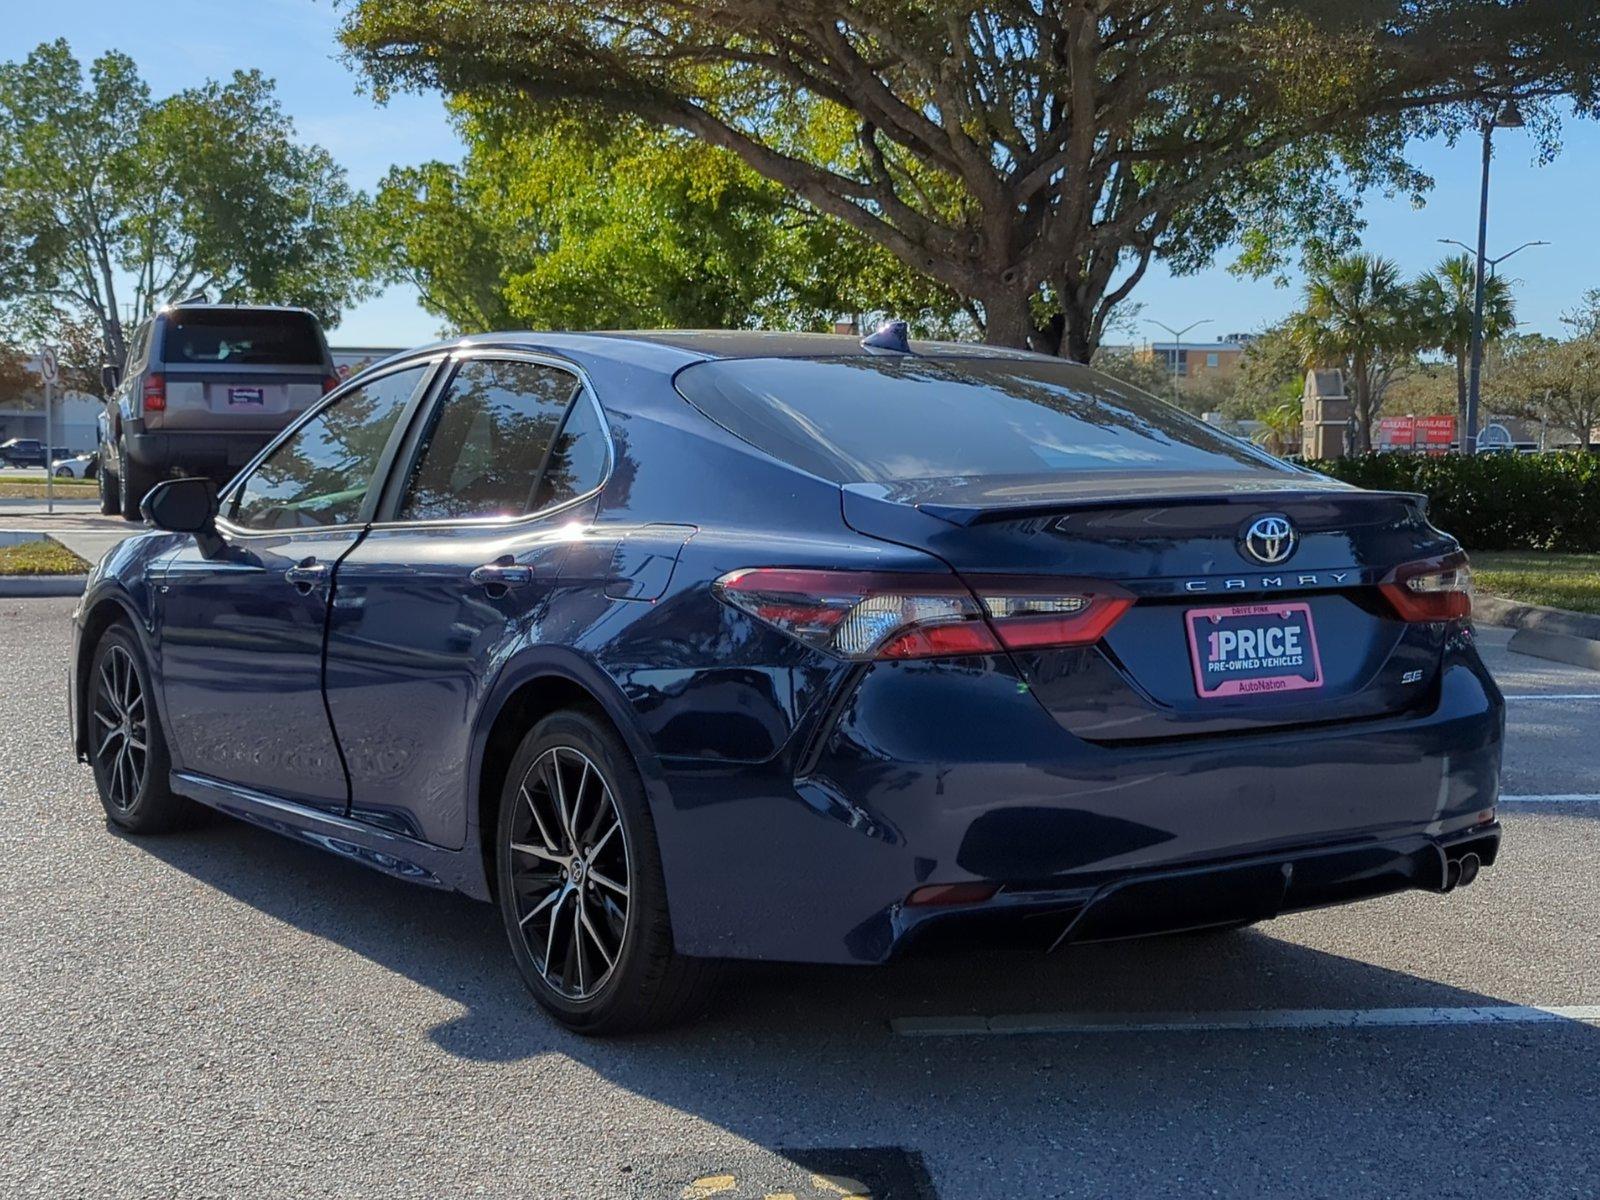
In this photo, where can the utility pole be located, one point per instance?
(1507, 117)
(1177, 337)
(49, 371)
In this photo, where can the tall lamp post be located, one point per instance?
(1508, 116)
(1177, 337)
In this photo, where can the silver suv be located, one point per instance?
(206, 386)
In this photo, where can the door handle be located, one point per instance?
(307, 574)
(502, 574)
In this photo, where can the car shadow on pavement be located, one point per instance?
(796, 1056)
(456, 947)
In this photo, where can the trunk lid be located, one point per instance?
(1175, 541)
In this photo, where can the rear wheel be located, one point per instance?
(580, 884)
(126, 745)
(135, 481)
(110, 494)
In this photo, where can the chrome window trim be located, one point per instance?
(432, 363)
(586, 391)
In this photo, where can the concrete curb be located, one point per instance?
(1492, 610)
(1557, 647)
(1551, 633)
(12, 586)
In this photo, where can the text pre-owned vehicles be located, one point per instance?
(205, 387)
(682, 647)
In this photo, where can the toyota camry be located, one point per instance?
(687, 647)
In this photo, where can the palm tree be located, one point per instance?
(1359, 315)
(1445, 295)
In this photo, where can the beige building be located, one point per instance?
(1194, 362)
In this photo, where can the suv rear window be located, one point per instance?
(223, 337)
(881, 420)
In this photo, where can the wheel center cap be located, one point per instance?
(580, 870)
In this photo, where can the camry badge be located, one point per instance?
(1270, 539)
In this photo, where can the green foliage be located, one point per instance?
(1360, 316)
(1034, 159)
(110, 198)
(560, 226)
(1271, 374)
(1493, 501)
(1446, 299)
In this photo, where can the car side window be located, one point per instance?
(577, 460)
(321, 475)
(487, 442)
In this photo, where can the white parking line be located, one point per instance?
(1562, 798)
(1558, 696)
(1271, 1018)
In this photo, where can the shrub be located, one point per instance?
(1493, 501)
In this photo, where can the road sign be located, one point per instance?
(49, 367)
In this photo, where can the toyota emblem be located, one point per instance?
(1270, 540)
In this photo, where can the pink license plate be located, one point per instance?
(1253, 649)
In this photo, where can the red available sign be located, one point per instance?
(1433, 435)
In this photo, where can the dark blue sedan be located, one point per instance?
(683, 647)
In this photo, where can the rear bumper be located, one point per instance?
(931, 774)
(164, 449)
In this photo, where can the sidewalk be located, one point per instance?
(76, 524)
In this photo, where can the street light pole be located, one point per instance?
(1177, 337)
(1507, 117)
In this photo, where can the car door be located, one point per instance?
(242, 633)
(474, 525)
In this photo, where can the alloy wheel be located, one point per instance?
(121, 728)
(571, 872)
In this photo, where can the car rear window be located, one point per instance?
(881, 420)
(222, 337)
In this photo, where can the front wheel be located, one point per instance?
(580, 884)
(65, 473)
(126, 744)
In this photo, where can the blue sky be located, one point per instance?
(180, 42)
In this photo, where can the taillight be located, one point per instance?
(863, 615)
(329, 382)
(1029, 613)
(1438, 589)
(155, 393)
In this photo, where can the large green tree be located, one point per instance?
(564, 226)
(113, 203)
(1447, 295)
(1361, 317)
(1033, 158)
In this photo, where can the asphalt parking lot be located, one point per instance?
(226, 1013)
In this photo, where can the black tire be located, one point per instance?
(134, 481)
(645, 984)
(110, 494)
(127, 747)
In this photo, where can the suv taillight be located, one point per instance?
(1437, 589)
(155, 393)
(329, 382)
(864, 615)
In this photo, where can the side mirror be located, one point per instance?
(186, 506)
(110, 377)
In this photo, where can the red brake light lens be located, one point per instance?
(155, 393)
(329, 382)
(866, 615)
(1437, 589)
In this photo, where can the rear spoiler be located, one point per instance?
(980, 514)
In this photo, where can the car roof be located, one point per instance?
(668, 350)
(168, 310)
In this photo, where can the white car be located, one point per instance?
(79, 466)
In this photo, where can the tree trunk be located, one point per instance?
(1007, 320)
(1363, 406)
